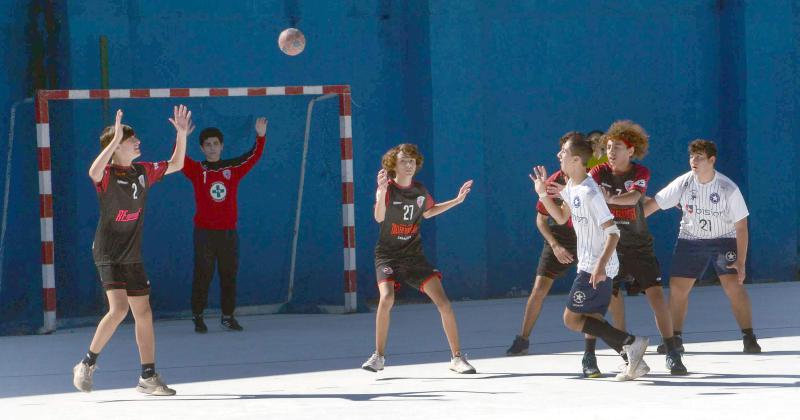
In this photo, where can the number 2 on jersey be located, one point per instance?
(135, 190)
(705, 225)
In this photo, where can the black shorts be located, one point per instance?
(128, 277)
(414, 271)
(638, 271)
(584, 299)
(549, 266)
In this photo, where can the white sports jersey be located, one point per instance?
(709, 210)
(589, 211)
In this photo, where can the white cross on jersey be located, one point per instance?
(709, 210)
(589, 211)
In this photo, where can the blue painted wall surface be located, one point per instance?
(484, 89)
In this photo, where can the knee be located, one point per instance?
(572, 321)
(386, 302)
(444, 307)
(144, 313)
(118, 313)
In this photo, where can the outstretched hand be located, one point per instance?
(464, 191)
(181, 119)
(383, 180)
(118, 127)
(539, 178)
(261, 126)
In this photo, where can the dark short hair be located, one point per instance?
(581, 148)
(570, 135)
(703, 146)
(211, 132)
(108, 134)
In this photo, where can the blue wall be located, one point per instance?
(485, 90)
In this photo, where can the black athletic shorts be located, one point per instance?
(414, 271)
(128, 277)
(638, 271)
(549, 266)
(584, 299)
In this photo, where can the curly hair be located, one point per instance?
(630, 133)
(703, 146)
(389, 159)
(108, 134)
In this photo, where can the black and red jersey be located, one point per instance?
(216, 185)
(122, 193)
(555, 228)
(400, 236)
(630, 219)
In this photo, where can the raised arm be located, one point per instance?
(182, 121)
(380, 196)
(440, 208)
(629, 198)
(100, 162)
(559, 213)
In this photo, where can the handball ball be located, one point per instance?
(291, 41)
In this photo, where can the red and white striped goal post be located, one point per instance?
(42, 114)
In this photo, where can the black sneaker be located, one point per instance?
(519, 347)
(230, 323)
(589, 363)
(199, 324)
(675, 365)
(662, 348)
(750, 344)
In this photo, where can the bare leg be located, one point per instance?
(533, 307)
(383, 314)
(435, 291)
(117, 311)
(740, 300)
(655, 297)
(617, 310)
(145, 336)
(679, 288)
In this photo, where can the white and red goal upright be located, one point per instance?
(42, 101)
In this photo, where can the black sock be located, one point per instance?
(589, 345)
(613, 337)
(747, 331)
(148, 370)
(670, 343)
(90, 358)
(677, 333)
(624, 357)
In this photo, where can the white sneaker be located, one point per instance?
(82, 376)
(641, 370)
(374, 363)
(635, 353)
(154, 386)
(459, 364)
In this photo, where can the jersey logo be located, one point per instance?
(420, 201)
(690, 208)
(693, 195)
(155, 166)
(387, 270)
(119, 181)
(227, 174)
(141, 180)
(640, 183)
(579, 297)
(714, 198)
(576, 202)
(628, 185)
(218, 191)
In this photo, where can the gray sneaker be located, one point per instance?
(459, 364)
(82, 376)
(635, 352)
(154, 386)
(374, 363)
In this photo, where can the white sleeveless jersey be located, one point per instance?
(589, 211)
(709, 210)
